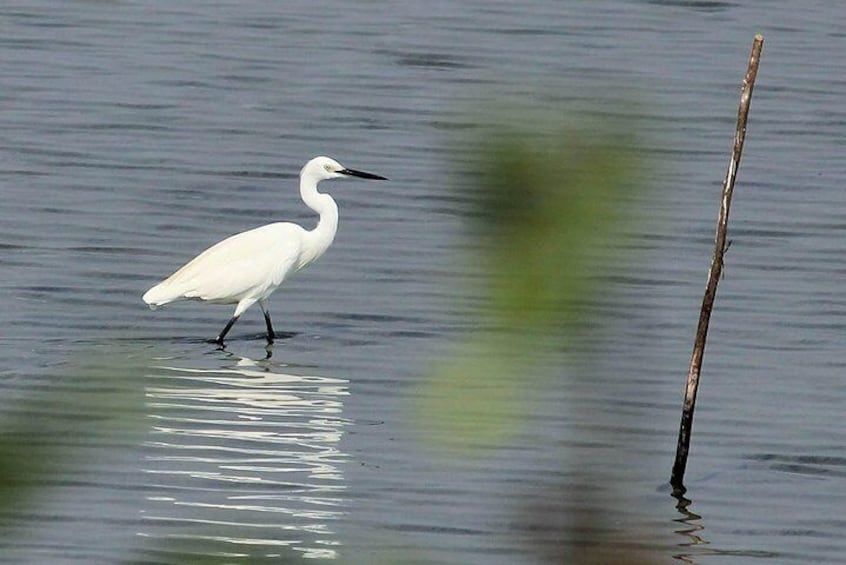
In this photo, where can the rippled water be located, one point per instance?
(136, 134)
(249, 447)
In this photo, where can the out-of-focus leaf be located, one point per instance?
(472, 399)
(546, 207)
(549, 209)
(96, 401)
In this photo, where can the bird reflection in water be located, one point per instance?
(245, 456)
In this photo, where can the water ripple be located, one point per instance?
(249, 449)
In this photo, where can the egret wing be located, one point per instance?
(248, 264)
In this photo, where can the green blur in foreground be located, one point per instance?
(550, 214)
(53, 436)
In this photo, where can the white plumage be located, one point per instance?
(247, 267)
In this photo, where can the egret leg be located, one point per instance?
(270, 334)
(226, 329)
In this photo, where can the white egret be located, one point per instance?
(247, 267)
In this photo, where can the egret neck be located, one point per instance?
(318, 240)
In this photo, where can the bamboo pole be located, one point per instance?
(720, 246)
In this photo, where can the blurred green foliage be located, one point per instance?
(551, 205)
(49, 433)
(55, 434)
(547, 206)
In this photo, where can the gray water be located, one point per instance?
(136, 134)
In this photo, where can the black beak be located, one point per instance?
(361, 174)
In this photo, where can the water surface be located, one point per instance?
(134, 135)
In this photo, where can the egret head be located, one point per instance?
(322, 168)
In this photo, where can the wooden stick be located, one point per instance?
(720, 246)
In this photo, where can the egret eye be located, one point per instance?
(328, 168)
